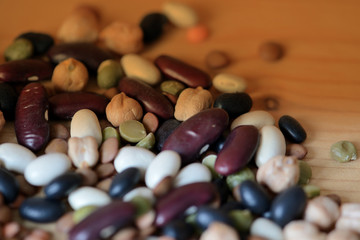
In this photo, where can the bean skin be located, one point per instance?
(61, 186)
(31, 126)
(124, 181)
(196, 132)
(152, 100)
(9, 186)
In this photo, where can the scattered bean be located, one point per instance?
(58, 145)
(15, 157)
(83, 151)
(150, 122)
(296, 150)
(219, 230)
(235, 104)
(105, 170)
(192, 173)
(110, 132)
(152, 25)
(124, 181)
(25, 188)
(172, 87)
(65, 222)
(88, 196)
(343, 151)
(311, 191)
(83, 212)
(197, 34)
(339, 234)
(61, 186)
(132, 131)
(271, 51)
(349, 217)
(11, 230)
(164, 131)
(258, 118)
(109, 149)
(41, 41)
(292, 129)
(104, 184)
(109, 73)
(302, 230)
(140, 192)
(271, 103)
(19, 49)
(90, 177)
(147, 142)
(242, 219)
(235, 179)
(217, 59)
(5, 214)
(229, 83)
(85, 123)
(266, 228)
(180, 14)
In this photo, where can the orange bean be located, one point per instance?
(197, 34)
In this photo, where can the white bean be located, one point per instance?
(143, 192)
(88, 196)
(15, 157)
(266, 228)
(194, 172)
(229, 83)
(258, 118)
(85, 123)
(180, 14)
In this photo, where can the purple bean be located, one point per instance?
(176, 202)
(25, 70)
(65, 105)
(193, 134)
(183, 72)
(152, 100)
(31, 127)
(240, 146)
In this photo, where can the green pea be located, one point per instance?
(83, 212)
(311, 190)
(109, 73)
(305, 172)
(235, 179)
(209, 162)
(21, 48)
(132, 131)
(343, 151)
(147, 142)
(173, 87)
(109, 132)
(242, 219)
(143, 205)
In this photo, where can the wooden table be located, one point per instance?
(317, 81)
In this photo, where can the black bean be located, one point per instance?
(63, 185)
(41, 41)
(220, 142)
(207, 215)
(152, 26)
(232, 205)
(179, 229)
(254, 197)
(292, 129)
(41, 210)
(234, 104)
(164, 131)
(124, 181)
(8, 99)
(222, 188)
(288, 205)
(9, 186)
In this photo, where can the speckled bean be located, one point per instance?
(258, 118)
(192, 173)
(9, 186)
(83, 151)
(15, 157)
(85, 123)
(266, 228)
(124, 181)
(61, 186)
(229, 83)
(88, 196)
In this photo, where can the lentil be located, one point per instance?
(217, 59)
(229, 83)
(311, 190)
(271, 51)
(305, 172)
(343, 151)
(110, 132)
(147, 142)
(20, 49)
(197, 34)
(292, 129)
(132, 131)
(235, 179)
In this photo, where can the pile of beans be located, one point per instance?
(158, 156)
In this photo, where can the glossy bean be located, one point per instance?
(194, 172)
(152, 25)
(152, 100)
(31, 126)
(258, 118)
(15, 157)
(179, 230)
(8, 99)
(288, 205)
(124, 181)
(198, 131)
(41, 41)
(85, 123)
(42, 210)
(113, 216)
(164, 131)
(25, 70)
(9, 186)
(65, 105)
(234, 104)
(292, 129)
(88, 53)
(176, 202)
(206, 215)
(178, 70)
(239, 148)
(63, 185)
(88, 196)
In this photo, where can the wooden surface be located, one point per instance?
(317, 81)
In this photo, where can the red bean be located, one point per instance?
(183, 72)
(240, 146)
(152, 100)
(196, 132)
(31, 126)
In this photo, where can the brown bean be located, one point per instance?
(58, 130)
(18, 201)
(151, 122)
(296, 150)
(57, 145)
(104, 184)
(65, 223)
(109, 149)
(90, 177)
(271, 51)
(38, 234)
(105, 170)
(31, 126)
(2, 200)
(128, 233)
(25, 70)
(25, 188)
(217, 59)
(2, 120)
(5, 214)
(11, 229)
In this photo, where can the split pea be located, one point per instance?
(343, 151)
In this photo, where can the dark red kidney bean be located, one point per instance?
(193, 134)
(234, 104)
(9, 186)
(254, 197)
(288, 205)
(124, 181)
(31, 127)
(152, 100)
(178, 200)
(175, 69)
(63, 185)
(113, 216)
(8, 99)
(152, 26)
(292, 129)
(179, 229)
(206, 215)
(65, 105)
(88, 53)
(25, 70)
(164, 131)
(239, 148)
(41, 210)
(41, 41)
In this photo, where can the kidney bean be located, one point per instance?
(25, 70)
(234, 104)
(152, 25)
(292, 129)
(41, 41)
(63, 185)
(164, 131)
(88, 196)
(177, 201)
(124, 181)
(239, 148)
(179, 230)
(196, 132)
(152, 100)
(206, 215)
(115, 215)
(88, 53)
(288, 205)
(176, 69)
(8, 99)
(15, 157)
(9, 186)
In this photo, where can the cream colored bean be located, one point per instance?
(192, 101)
(57, 145)
(257, 118)
(229, 83)
(300, 229)
(342, 234)
(15, 157)
(219, 231)
(179, 14)
(136, 66)
(266, 228)
(83, 151)
(194, 172)
(85, 123)
(349, 217)
(140, 192)
(279, 173)
(88, 196)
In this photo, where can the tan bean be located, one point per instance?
(105, 170)
(90, 177)
(163, 186)
(301, 229)
(2, 200)
(59, 130)
(2, 120)
(109, 149)
(11, 229)
(151, 122)
(296, 150)
(5, 214)
(104, 184)
(58, 145)
(65, 223)
(83, 151)
(38, 234)
(25, 188)
(219, 231)
(128, 233)
(342, 234)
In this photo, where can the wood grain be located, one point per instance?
(317, 81)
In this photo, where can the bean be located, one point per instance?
(105, 170)
(197, 34)
(234, 104)
(152, 100)
(305, 172)
(151, 122)
(88, 196)
(183, 72)
(311, 191)
(109, 73)
(198, 131)
(229, 83)
(104, 184)
(179, 230)
(301, 229)
(222, 188)
(271, 51)
(288, 205)
(338, 234)
(152, 25)
(292, 129)
(25, 70)
(266, 228)
(9, 187)
(83, 151)
(297, 150)
(88, 53)
(238, 150)
(235, 179)
(41, 210)
(110, 132)
(242, 219)
(132, 131)
(63, 185)
(172, 87)
(82, 213)
(90, 177)
(218, 230)
(124, 181)
(217, 59)
(19, 49)
(15, 157)
(58, 130)
(31, 126)
(180, 14)
(42, 170)
(11, 230)
(40, 41)
(65, 222)
(164, 131)
(258, 118)
(343, 151)
(176, 202)
(5, 214)
(85, 123)
(109, 149)
(8, 99)
(57, 145)
(25, 188)
(206, 215)
(113, 216)
(192, 173)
